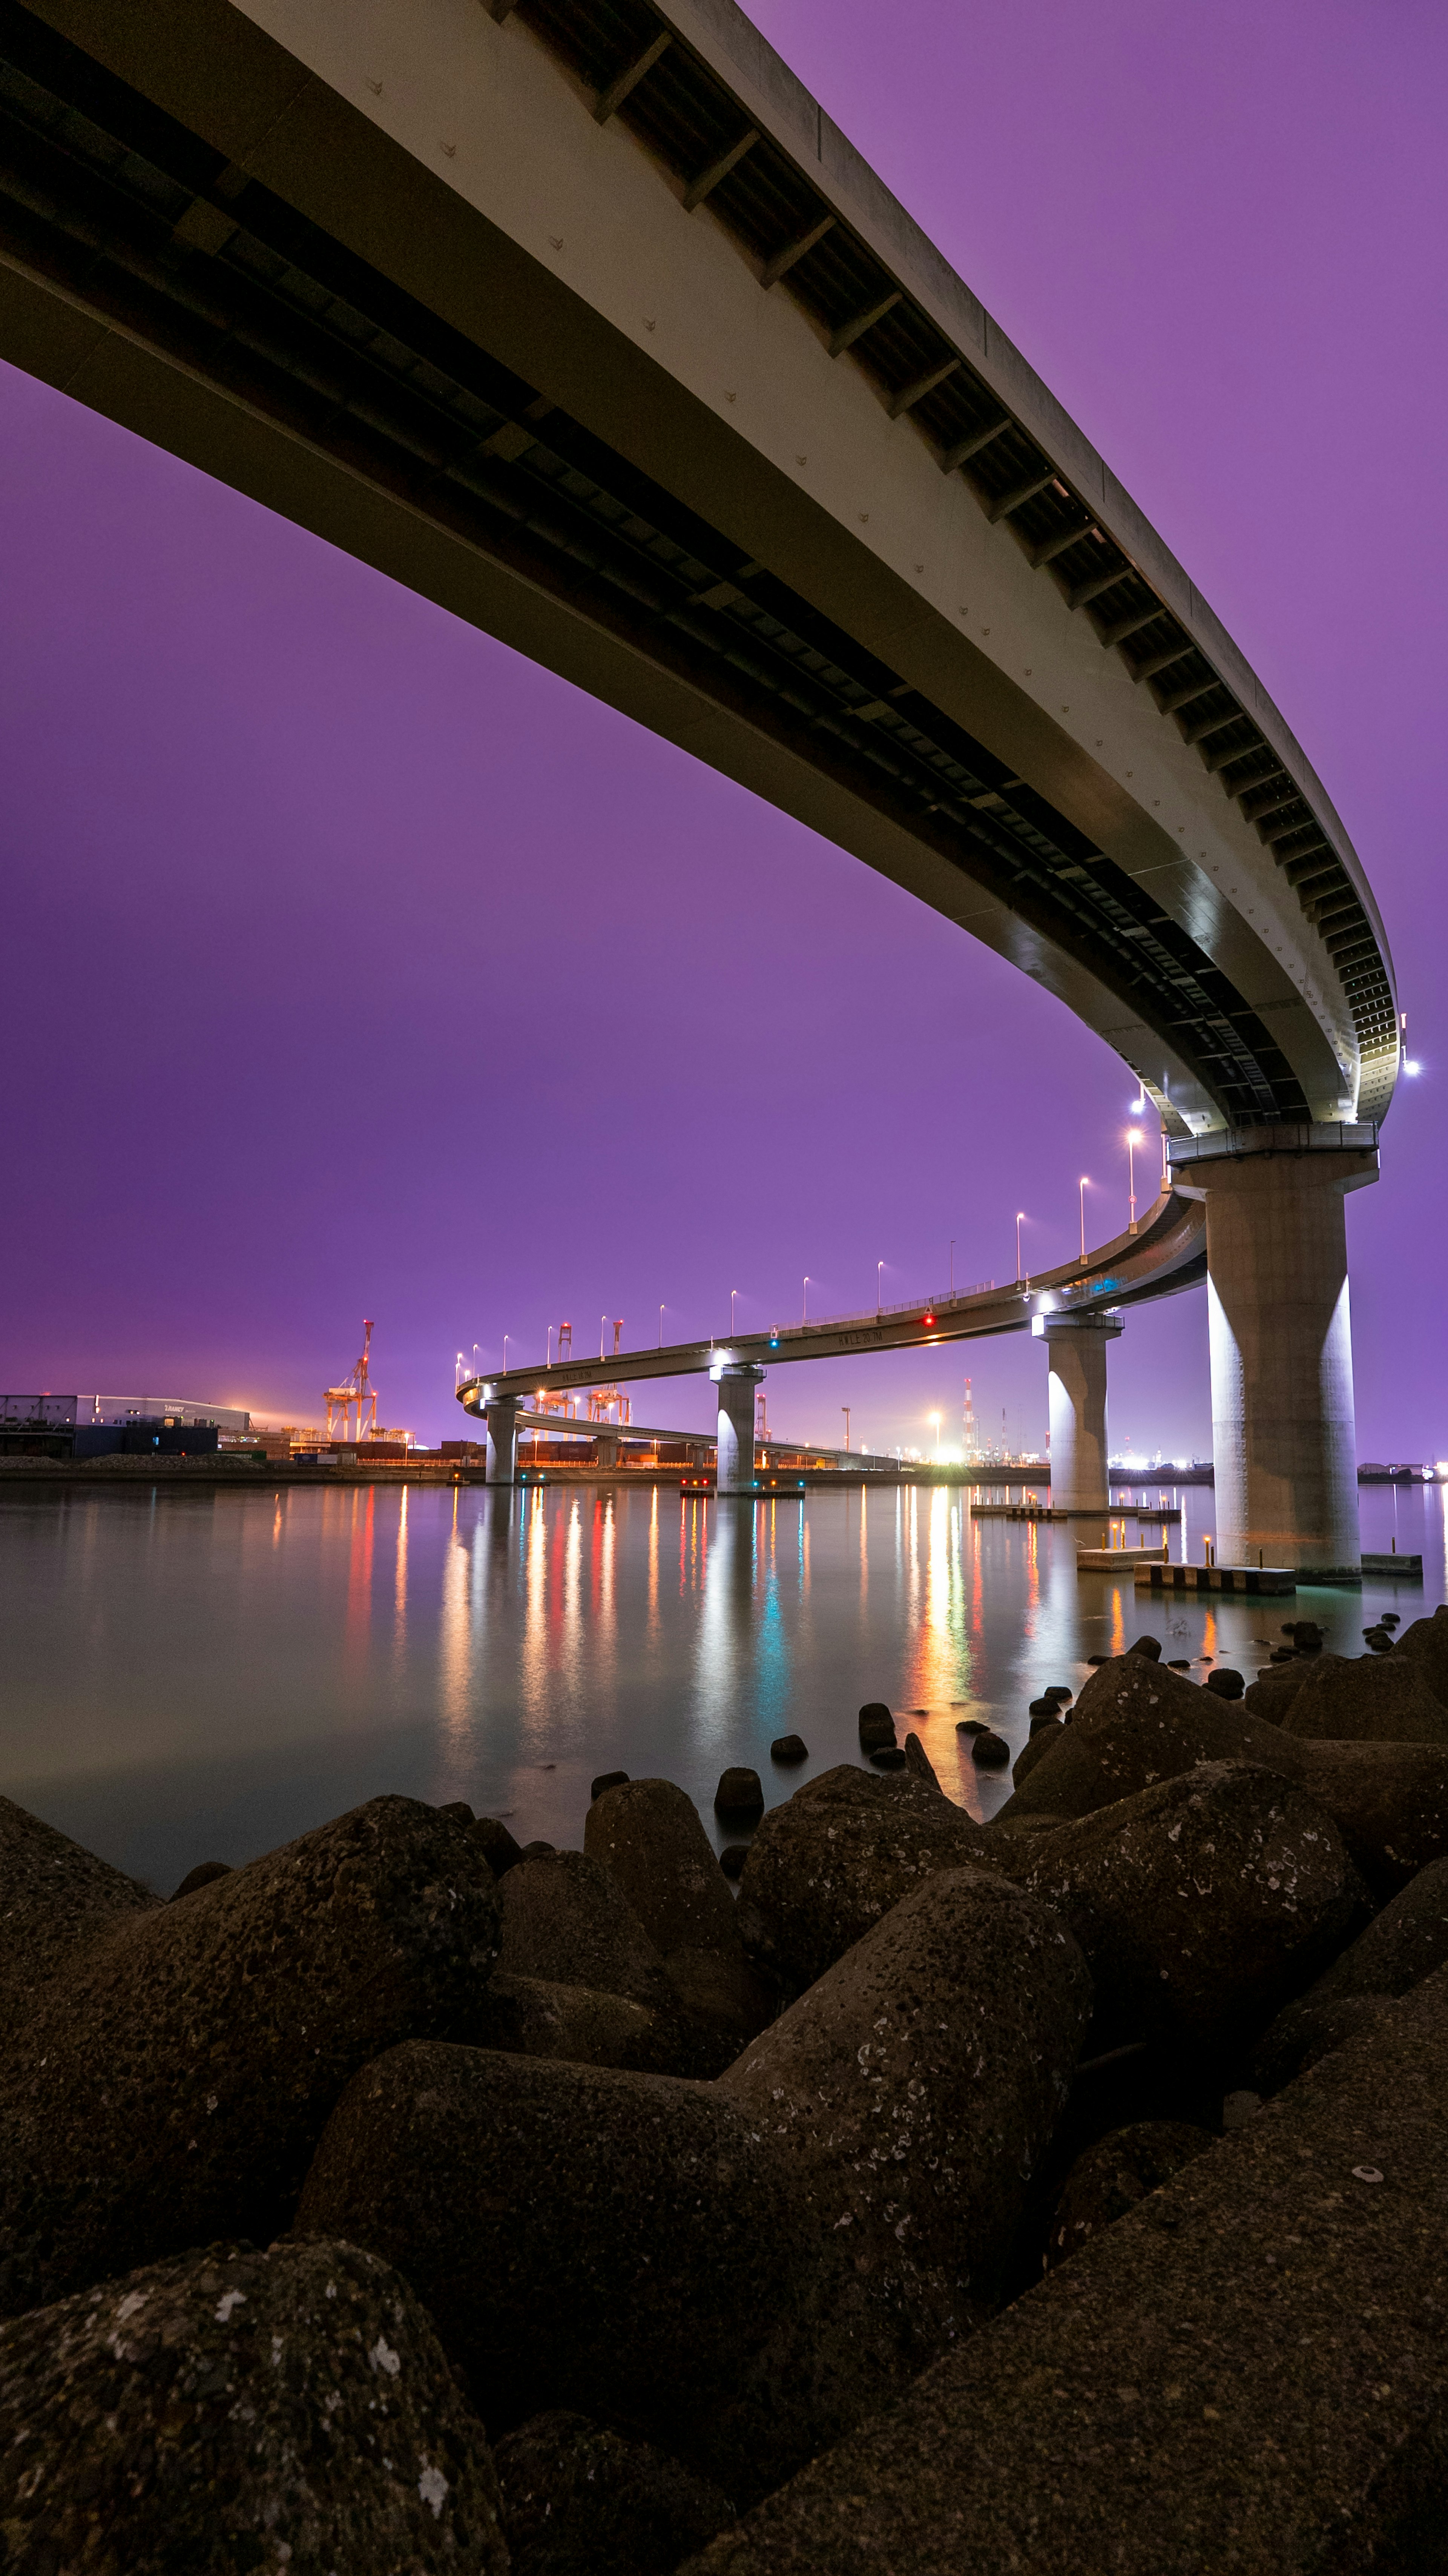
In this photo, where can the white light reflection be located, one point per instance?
(454, 1656)
(725, 1624)
(399, 1590)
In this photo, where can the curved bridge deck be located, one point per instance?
(1167, 1253)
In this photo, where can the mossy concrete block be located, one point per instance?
(582, 2500)
(916, 2088)
(537, 2017)
(1135, 1723)
(230, 2409)
(827, 1864)
(55, 1899)
(649, 1836)
(565, 1919)
(1201, 1904)
(1138, 1723)
(1400, 1947)
(1249, 2371)
(176, 2077)
(618, 2244)
(1114, 2174)
(1373, 1699)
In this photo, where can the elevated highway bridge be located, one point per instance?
(581, 319)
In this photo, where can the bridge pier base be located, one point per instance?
(1076, 1362)
(502, 1460)
(606, 1449)
(735, 1453)
(1283, 1433)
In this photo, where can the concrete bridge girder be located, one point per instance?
(459, 162)
(447, 175)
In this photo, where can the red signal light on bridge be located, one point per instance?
(927, 1319)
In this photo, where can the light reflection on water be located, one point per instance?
(200, 1675)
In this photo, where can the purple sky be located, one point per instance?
(354, 965)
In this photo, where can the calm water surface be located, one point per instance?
(199, 1676)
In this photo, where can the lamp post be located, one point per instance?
(1133, 1139)
(804, 1312)
(505, 1355)
(602, 1329)
(879, 1284)
(1020, 1221)
(548, 1362)
(952, 1266)
(845, 1410)
(733, 1293)
(661, 1325)
(935, 1419)
(1085, 1185)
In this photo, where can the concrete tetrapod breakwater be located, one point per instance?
(1248, 2371)
(918, 2212)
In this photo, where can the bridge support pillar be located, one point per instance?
(606, 1449)
(1283, 1434)
(736, 1382)
(502, 1460)
(1076, 1360)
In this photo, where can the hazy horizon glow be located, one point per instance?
(358, 967)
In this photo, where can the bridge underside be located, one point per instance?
(237, 319)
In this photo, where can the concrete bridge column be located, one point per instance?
(735, 1454)
(502, 1460)
(1076, 1359)
(1283, 1435)
(606, 1449)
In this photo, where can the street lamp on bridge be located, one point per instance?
(804, 1314)
(1133, 1139)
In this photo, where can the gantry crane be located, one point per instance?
(355, 1390)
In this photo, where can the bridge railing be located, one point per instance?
(882, 1314)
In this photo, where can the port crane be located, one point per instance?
(356, 1391)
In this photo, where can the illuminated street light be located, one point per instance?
(1020, 1221)
(935, 1418)
(661, 1326)
(879, 1284)
(1133, 1139)
(733, 1293)
(804, 1315)
(1085, 1185)
(845, 1410)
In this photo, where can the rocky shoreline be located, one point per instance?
(1067, 2191)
